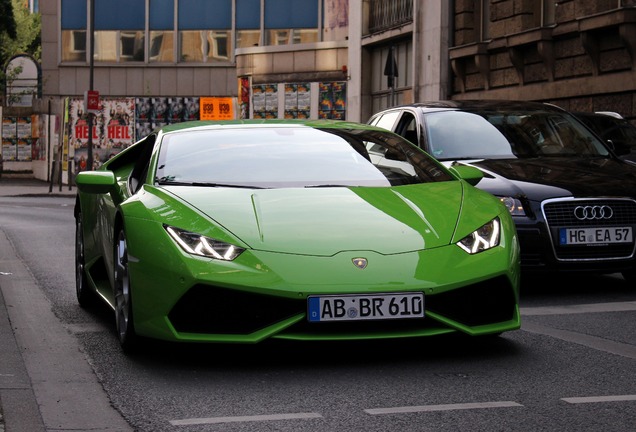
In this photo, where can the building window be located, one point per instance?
(204, 30)
(161, 31)
(484, 20)
(248, 23)
(120, 37)
(298, 25)
(188, 31)
(73, 36)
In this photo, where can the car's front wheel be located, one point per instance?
(123, 296)
(85, 297)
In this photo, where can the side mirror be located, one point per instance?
(471, 174)
(96, 182)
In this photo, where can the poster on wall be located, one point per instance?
(39, 133)
(151, 113)
(291, 101)
(297, 101)
(24, 140)
(112, 130)
(9, 138)
(244, 98)
(265, 101)
(218, 108)
(24, 146)
(333, 100)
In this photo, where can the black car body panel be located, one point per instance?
(550, 183)
(613, 128)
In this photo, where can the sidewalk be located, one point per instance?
(11, 186)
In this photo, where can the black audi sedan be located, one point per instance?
(573, 199)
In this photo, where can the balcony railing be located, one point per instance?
(386, 14)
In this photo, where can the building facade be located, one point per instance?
(341, 59)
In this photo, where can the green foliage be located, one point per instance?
(20, 33)
(7, 22)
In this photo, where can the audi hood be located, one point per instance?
(551, 177)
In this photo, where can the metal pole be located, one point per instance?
(91, 62)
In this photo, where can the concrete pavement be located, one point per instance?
(18, 186)
(20, 410)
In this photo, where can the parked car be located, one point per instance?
(611, 126)
(572, 199)
(240, 231)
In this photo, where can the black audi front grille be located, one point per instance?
(586, 213)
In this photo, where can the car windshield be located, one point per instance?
(276, 157)
(492, 135)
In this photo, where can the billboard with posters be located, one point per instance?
(113, 130)
(153, 112)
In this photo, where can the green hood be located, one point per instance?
(325, 221)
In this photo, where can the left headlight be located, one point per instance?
(198, 244)
(483, 238)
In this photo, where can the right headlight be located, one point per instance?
(483, 238)
(513, 205)
(197, 244)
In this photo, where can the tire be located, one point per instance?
(85, 296)
(123, 297)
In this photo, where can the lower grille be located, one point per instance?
(214, 310)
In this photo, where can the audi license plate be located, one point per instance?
(365, 307)
(593, 236)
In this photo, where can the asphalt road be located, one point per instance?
(571, 367)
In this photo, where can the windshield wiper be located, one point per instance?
(170, 182)
(327, 185)
(211, 184)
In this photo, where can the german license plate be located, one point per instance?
(365, 307)
(592, 236)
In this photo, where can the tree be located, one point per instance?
(20, 33)
(7, 21)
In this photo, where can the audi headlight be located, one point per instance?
(198, 244)
(513, 205)
(484, 238)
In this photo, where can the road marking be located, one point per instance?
(445, 407)
(596, 399)
(594, 342)
(576, 309)
(269, 417)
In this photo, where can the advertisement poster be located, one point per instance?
(333, 99)
(39, 132)
(24, 149)
(9, 138)
(151, 113)
(9, 127)
(218, 108)
(297, 101)
(9, 149)
(112, 130)
(265, 101)
(244, 98)
(24, 140)
(291, 101)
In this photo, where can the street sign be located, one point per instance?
(91, 101)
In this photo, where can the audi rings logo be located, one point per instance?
(593, 212)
